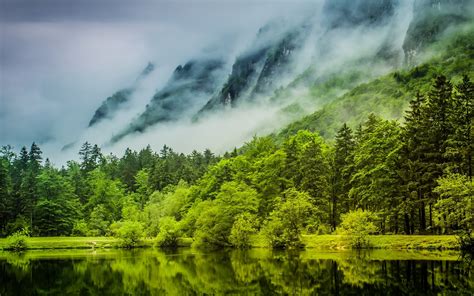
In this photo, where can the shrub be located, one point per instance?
(18, 224)
(169, 233)
(130, 233)
(283, 229)
(243, 227)
(18, 240)
(273, 231)
(80, 228)
(358, 225)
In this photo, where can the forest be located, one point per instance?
(381, 177)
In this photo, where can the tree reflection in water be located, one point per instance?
(252, 272)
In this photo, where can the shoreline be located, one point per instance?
(312, 242)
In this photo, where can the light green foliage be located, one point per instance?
(358, 225)
(286, 222)
(244, 226)
(80, 228)
(129, 232)
(144, 190)
(105, 192)
(99, 221)
(177, 201)
(215, 222)
(130, 210)
(455, 210)
(18, 240)
(169, 232)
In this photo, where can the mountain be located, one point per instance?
(258, 70)
(189, 86)
(336, 62)
(388, 96)
(348, 13)
(431, 18)
(112, 104)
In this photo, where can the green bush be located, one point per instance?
(358, 225)
(169, 233)
(273, 230)
(242, 229)
(18, 240)
(129, 233)
(80, 228)
(286, 222)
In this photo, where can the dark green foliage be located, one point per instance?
(466, 241)
(341, 175)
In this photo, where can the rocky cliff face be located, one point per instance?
(258, 70)
(347, 13)
(188, 88)
(112, 104)
(430, 19)
(204, 85)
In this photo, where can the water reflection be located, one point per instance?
(254, 272)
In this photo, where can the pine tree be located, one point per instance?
(460, 143)
(342, 171)
(411, 165)
(314, 170)
(28, 188)
(437, 129)
(5, 194)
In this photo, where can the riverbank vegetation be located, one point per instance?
(385, 177)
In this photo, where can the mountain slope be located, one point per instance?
(388, 96)
(112, 104)
(187, 89)
(310, 63)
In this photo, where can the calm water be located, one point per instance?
(255, 272)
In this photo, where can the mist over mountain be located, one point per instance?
(235, 85)
(117, 101)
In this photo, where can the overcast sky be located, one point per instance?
(61, 58)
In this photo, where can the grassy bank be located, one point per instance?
(320, 242)
(393, 242)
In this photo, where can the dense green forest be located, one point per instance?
(413, 177)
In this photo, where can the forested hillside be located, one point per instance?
(410, 177)
(389, 95)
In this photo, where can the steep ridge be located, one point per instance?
(265, 72)
(112, 104)
(347, 13)
(430, 20)
(258, 70)
(189, 86)
(388, 96)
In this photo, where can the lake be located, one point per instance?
(253, 272)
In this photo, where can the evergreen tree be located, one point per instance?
(460, 143)
(412, 154)
(314, 168)
(437, 129)
(57, 207)
(5, 194)
(341, 173)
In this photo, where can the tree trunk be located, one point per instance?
(407, 224)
